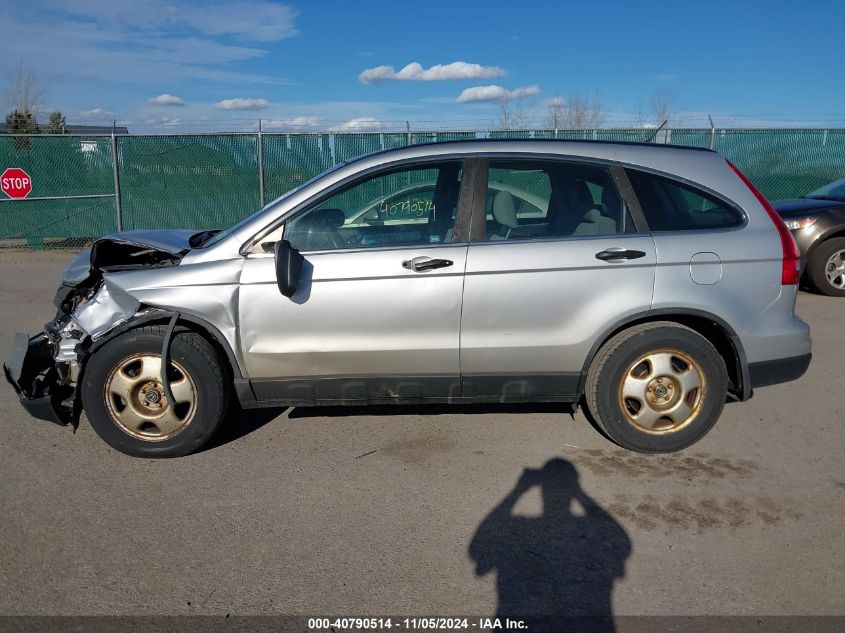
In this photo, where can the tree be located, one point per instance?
(21, 122)
(661, 105)
(514, 109)
(24, 92)
(575, 113)
(56, 125)
(25, 97)
(554, 115)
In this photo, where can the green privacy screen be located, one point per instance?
(59, 166)
(213, 180)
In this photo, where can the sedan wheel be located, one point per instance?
(834, 270)
(826, 267)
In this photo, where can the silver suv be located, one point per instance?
(649, 283)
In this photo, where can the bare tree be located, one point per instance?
(554, 112)
(504, 103)
(661, 104)
(575, 113)
(24, 91)
(640, 119)
(514, 110)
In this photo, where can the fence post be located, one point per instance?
(653, 137)
(260, 166)
(408, 128)
(712, 133)
(116, 173)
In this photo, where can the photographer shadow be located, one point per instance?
(555, 571)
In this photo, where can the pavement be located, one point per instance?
(428, 510)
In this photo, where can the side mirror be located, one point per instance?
(288, 267)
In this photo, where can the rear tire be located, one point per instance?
(657, 387)
(826, 268)
(125, 403)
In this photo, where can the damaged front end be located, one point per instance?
(33, 374)
(44, 369)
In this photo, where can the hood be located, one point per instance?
(805, 206)
(129, 250)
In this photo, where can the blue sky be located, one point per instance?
(190, 63)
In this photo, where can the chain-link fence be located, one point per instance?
(83, 187)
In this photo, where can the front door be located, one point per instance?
(555, 262)
(376, 316)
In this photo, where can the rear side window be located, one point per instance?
(669, 205)
(530, 199)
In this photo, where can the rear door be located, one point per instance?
(377, 314)
(705, 261)
(555, 261)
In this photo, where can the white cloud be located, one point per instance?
(301, 121)
(241, 104)
(358, 124)
(166, 100)
(494, 93)
(96, 113)
(161, 121)
(440, 72)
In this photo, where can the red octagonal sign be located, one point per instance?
(16, 183)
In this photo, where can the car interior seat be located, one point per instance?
(594, 223)
(578, 214)
(504, 212)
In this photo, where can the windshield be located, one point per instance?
(214, 238)
(832, 191)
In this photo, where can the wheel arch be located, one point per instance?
(831, 234)
(715, 329)
(194, 323)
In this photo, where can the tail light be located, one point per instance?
(790, 263)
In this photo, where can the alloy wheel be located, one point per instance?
(137, 403)
(662, 391)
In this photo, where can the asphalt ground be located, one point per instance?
(428, 510)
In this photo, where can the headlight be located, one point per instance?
(801, 223)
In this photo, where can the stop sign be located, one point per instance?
(16, 183)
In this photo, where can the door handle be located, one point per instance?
(616, 254)
(421, 264)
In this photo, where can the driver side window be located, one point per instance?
(403, 207)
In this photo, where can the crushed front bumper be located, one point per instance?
(31, 370)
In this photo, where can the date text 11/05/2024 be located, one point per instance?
(414, 624)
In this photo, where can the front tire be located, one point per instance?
(656, 387)
(125, 402)
(826, 268)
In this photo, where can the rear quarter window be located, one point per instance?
(669, 205)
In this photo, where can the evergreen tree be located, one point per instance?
(21, 122)
(56, 125)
